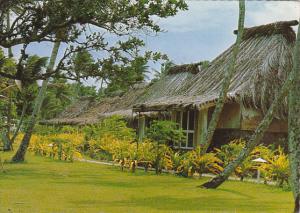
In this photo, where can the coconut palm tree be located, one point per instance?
(294, 125)
(207, 139)
(20, 154)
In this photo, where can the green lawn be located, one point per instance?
(43, 185)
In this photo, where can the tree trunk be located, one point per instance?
(24, 108)
(20, 154)
(260, 130)
(207, 139)
(6, 135)
(8, 120)
(10, 53)
(294, 126)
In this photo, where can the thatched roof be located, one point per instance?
(185, 68)
(89, 111)
(168, 85)
(264, 60)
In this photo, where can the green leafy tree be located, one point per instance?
(82, 64)
(163, 70)
(57, 98)
(66, 21)
(123, 78)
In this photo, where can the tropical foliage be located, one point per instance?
(112, 140)
(165, 132)
(62, 146)
(194, 162)
(230, 151)
(277, 168)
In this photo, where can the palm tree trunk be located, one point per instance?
(294, 126)
(207, 139)
(7, 144)
(24, 108)
(20, 154)
(263, 126)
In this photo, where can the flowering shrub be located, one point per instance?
(112, 140)
(277, 168)
(61, 146)
(230, 152)
(193, 161)
(131, 154)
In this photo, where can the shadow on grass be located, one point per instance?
(168, 203)
(235, 193)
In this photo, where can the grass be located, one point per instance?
(43, 185)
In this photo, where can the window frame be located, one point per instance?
(187, 131)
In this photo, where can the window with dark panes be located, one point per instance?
(186, 121)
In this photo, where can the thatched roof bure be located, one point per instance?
(191, 68)
(89, 111)
(262, 65)
(282, 27)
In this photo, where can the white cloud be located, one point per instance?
(206, 15)
(201, 15)
(274, 11)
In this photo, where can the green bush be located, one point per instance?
(165, 132)
(114, 126)
(46, 130)
(50, 129)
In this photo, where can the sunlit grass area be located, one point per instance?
(44, 185)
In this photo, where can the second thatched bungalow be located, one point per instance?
(87, 110)
(189, 92)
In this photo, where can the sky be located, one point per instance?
(205, 30)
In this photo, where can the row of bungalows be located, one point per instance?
(88, 111)
(187, 94)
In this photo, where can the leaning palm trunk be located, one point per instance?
(20, 154)
(262, 127)
(5, 134)
(24, 108)
(207, 139)
(294, 126)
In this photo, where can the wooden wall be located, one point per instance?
(224, 136)
(230, 117)
(251, 119)
(234, 117)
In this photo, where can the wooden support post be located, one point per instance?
(201, 125)
(141, 131)
(173, 116)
